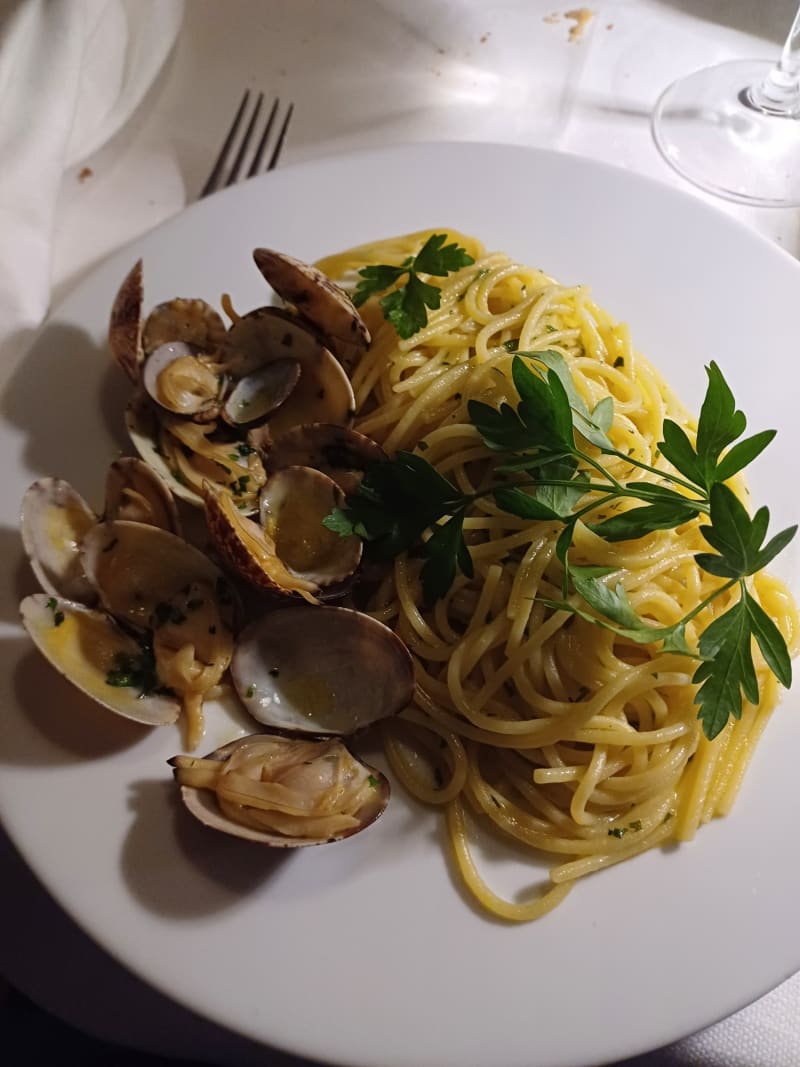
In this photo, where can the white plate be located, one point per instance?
(366, 953)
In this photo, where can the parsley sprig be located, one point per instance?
(549, 468)
(406, 306)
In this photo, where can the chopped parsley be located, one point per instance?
(58, 616)
(137, 671)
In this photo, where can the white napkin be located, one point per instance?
(71, 73)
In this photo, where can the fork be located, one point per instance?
(217, 179)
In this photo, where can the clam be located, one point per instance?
(323, 392)
(317, 299)
(192, 321)
(176, 379)
(321, 670)
(338, 451)
(144, 431)
(255, 397)
(156, 582)
(294, 502)
(139, 571)
(290, 553)
(134, 491)
(249, 550)
(282, 792)
(125, 325)
(187, 455)
(91, 651)
(55, 519)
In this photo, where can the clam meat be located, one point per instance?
(162, 586)
(281, 791)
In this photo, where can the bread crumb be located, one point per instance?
(581, 16)
(610, 26)
(551, 20)
(485, 37)
(84, 174)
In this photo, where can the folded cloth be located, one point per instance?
(71, 73)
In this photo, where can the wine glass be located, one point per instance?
(734, 129)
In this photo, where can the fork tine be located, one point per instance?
(273, 159)
(255, 166)
(218, 177)
(214, 176)
(233, 177)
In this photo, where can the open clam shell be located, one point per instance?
(135, 492)
(294, 502)
(139, 571)
(282, 792)
(321, 670)
(255, 397)
(55, 519)
(183, 319)
(91, 651)
(125, 325)
(323, 392)
(318, 300)
(249, 550)
(177, 380)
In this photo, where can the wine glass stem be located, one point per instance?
(779, 92)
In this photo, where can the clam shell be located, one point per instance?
(203, 805)
(245, 546)
(135, 568)
(125, 325)
(86, 646)
(321, 670)
(317, 299)
(255, 397)
(137, 493)
(194, 392)
(55, 519)
(184, 319)
(323, 393)
(338, 451)
(294, 502)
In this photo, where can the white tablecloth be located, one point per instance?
(363, 73)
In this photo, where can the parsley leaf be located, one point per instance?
(544, 474)
(443, 550)
(406, 307)
(136, 671)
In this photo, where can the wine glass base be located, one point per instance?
(707, 127)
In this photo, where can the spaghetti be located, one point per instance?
(573, 740)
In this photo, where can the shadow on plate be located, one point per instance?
(69, 398)
(73, 727)
(178, 868)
